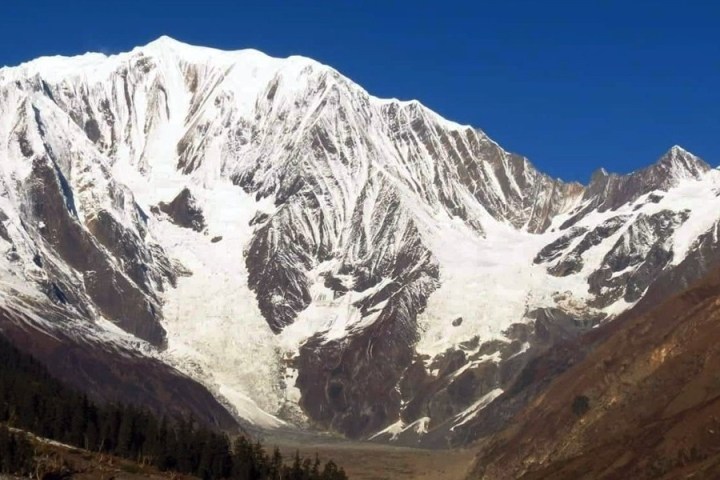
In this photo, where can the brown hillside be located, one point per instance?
(644, 404)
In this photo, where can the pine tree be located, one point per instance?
(276, 464)
(315, 472)
(32, 400)
(331, 472)
(296, 472)
(125, 434)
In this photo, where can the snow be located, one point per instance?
(419, 427)
(523, 348)
(333, 318)
(490, 282)
(394, 430)
(248, 71)
(472, 411)
(216, 333)
(697, 197)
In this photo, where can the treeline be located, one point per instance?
(32, 400)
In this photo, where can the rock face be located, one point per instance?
(313, 255)
(638, 256)
(184, 211)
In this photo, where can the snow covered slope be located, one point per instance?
(315, 256)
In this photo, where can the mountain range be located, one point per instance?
(265, 245)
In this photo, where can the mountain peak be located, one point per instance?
(166, 44)
(677, 150)
(610, 191)
(599, 175)
(680, 163)
(165, 41)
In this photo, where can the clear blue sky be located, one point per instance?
(573, 85)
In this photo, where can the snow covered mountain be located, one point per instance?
(314, 256)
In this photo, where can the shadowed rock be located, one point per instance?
(184, 211)
(117, 297)
(573, 261)
(636, 259)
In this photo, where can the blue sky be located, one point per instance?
(573, 85)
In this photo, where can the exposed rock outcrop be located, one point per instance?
(184, 211)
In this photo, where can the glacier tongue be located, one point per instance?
(216, 333)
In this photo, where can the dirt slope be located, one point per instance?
(644, 404)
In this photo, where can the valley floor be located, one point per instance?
(368, 461)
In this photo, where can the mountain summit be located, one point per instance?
(313, 256)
